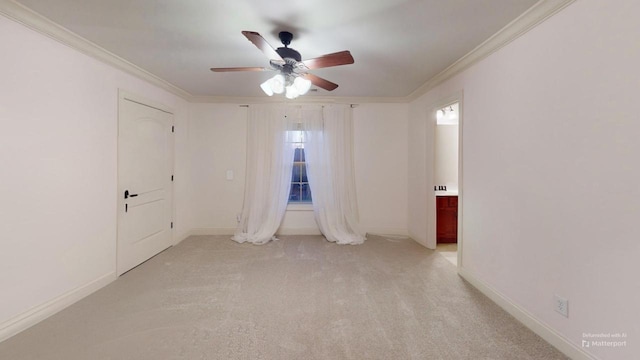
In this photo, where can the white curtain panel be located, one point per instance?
(329, 158)
(268, 179)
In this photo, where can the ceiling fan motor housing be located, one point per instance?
(288, 53)
(285, 37)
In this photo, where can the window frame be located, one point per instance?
(299, 205)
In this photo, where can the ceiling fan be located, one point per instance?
(293, 72)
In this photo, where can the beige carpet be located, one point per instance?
(297, 298)
(449, 252)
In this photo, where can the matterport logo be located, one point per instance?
(610, 340)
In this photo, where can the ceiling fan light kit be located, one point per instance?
(293, 78)
(293, 86)
(302, 85)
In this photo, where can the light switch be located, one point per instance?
(229, 174)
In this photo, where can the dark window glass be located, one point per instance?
(305, 192)
(300, 190)
(295, 195)
(299, 155)
(296, 174)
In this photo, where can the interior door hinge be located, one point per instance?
(172, 224)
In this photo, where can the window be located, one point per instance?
(300, 191)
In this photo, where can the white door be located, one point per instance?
(145, 166)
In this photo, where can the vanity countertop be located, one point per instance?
(447, 193)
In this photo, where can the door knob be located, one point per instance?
(128, 195)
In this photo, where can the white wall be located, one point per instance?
(420, 179)
(218, 143)
(550, 175)
(446, 156)
(58, 147)
(299, 220)
(382, 167)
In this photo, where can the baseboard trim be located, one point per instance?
(289, 231)
(388, 232)
(40, 312)
(212, 231)
(543, 330)
(419, 240)
(231, 231)
(180, 238)
(298, 231)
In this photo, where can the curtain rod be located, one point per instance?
(350, 105)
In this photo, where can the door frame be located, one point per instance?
(456, 97)
(124, 95)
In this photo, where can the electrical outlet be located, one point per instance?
(561, 305)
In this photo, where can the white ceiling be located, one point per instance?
(398, 45)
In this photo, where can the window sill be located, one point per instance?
(300, 207)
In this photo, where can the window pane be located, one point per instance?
(306, 193)
(294, 195)
(300, 191)
(296, 174)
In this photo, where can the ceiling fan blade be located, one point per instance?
(324, 61)
(320, 82)
(262, 44)
(239, 69)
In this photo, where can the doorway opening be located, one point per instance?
(446, 180)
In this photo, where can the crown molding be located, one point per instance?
(541, 11)
(47, 27)
(302, 99)
(537, 14)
